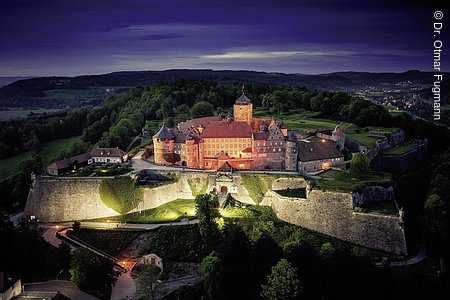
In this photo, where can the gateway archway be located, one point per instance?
(223, 190)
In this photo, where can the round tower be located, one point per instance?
(164, 145)
(291, 155)
(191, 152)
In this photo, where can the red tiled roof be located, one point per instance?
(107, 152)
(65, 163)
(189, 127)
(223, 157)
(247, 150)
(224, 129)
(317, 151)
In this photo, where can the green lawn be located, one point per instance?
(15, 113)
(50, 151)
(296, 122)
(399, 149)
(345, 182)
(251, 212)
(384, 130)
(263, 112)
(168, 212)
(363, 139)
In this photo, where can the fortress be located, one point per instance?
(241, 143)
(63, 199)
(228, 150)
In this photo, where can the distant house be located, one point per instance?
(10, 286)
(316, 156)
(99, 155)
(108, 155)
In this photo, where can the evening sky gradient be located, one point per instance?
(59, 37)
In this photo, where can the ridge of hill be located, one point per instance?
(60, 92)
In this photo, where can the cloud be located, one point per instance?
(272, 54)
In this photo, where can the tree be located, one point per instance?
(435, 215)
(202, 109)
(89, 271)
(211, 273)
(282, 283)
(33, 144)
(206, 207)
(76, 226)
(95, 131)
(359, 165)
(148, 283)
(77, 147)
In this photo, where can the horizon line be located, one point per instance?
(223, 70)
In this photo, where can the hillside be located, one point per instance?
(8, 80)
(60, 92)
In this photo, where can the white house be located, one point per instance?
(108, 155)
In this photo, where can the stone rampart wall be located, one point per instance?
(66, 199)
(332, 213)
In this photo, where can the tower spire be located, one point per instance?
(242, 89)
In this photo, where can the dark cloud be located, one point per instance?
(47, 37)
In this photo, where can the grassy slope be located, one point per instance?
(50, 151)
(363, 139)
(302, 120)
(345, 182)
(165, 213)
(399, 149)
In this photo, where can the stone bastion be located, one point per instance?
(62, 199)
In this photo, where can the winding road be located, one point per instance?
(125, 285)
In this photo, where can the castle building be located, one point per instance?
(241, 143)
(317, 156)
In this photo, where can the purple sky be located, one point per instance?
(73, 37)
